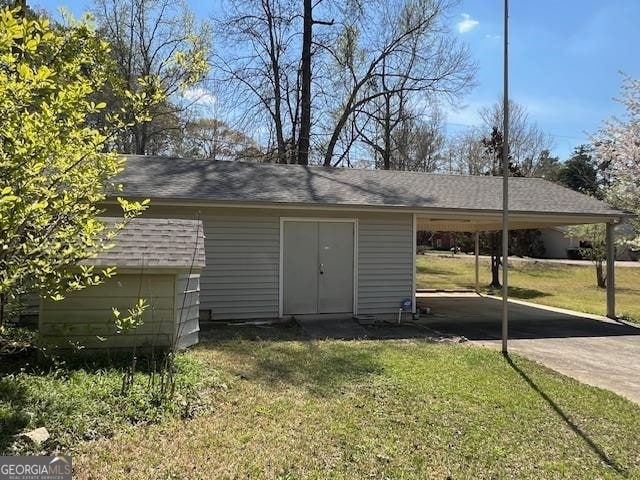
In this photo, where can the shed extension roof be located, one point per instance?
(155, 243)
(206, 181)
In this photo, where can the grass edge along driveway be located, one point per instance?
(556, 285)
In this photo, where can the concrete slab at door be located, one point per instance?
(300, 268)
(335, 255)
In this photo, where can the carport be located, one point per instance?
(590, 348)
(480, 210)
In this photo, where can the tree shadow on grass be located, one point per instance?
(322, 371)
(541, 270)
(426, 270)
(521, 293)
(212, 334)
(595, 448)
(619, 290)
(283, 355)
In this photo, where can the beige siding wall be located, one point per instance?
(84, 316)
(556, 244)
(385, 260)
(241, 278)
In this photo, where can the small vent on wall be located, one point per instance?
(205, 316)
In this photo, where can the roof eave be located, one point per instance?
(174, 201)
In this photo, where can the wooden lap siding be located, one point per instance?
(385, 263)
(84, 316)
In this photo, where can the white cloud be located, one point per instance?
(467, 23)
(200, 96)
(202, 101)
(493, 37)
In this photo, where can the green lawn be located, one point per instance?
(293, 409)
(564, 286)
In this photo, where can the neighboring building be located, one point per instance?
(159, 260)
(442, 240)
(558, 244)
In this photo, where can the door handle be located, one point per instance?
(321, 269)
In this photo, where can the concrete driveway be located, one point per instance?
(592, 349)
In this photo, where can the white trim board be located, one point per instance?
(414, 239)
(557, 218)
(318, 219)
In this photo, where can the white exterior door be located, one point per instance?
(300, 267)
(317, 267)
(335, 258)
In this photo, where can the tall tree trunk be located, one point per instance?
(335, 136)
(305, 87)
(600, 276)
(495, 260)
(274, 66)
(386, 158)
(140, 135)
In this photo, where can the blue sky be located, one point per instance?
(565, 58)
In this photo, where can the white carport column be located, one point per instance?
(414, 283)
(611, 271)
(477, 251)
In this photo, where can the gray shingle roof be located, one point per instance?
(216, 181)
(155, 242)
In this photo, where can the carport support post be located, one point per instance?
(477, 251)
(611, 272)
